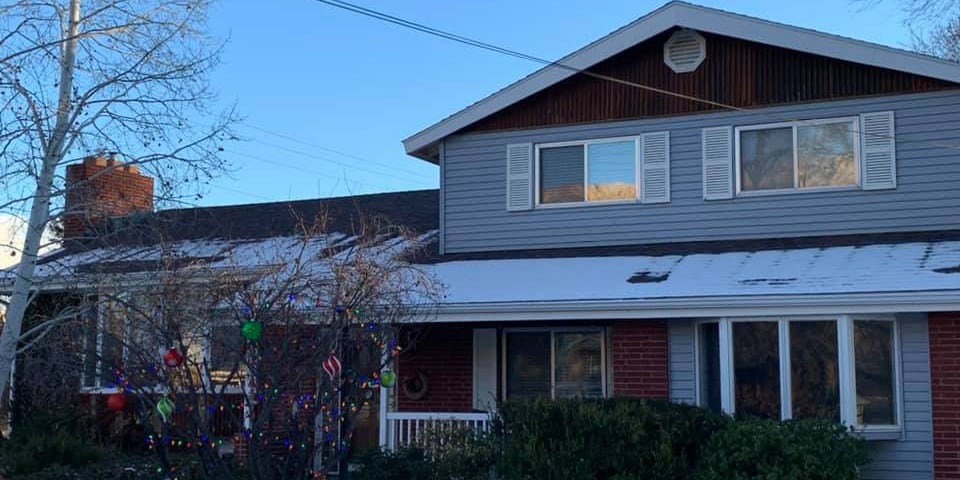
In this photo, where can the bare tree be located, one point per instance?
(934, 25)
(76, 76)
(237, 341)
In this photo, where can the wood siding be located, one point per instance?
(928, 170)
(910, 457)
(735, 72)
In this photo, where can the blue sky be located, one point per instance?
(343, 90)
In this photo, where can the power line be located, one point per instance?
(296, 168)
(342, 164)
(368, 12)
(328, 149)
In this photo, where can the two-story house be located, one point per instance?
(715, 209)
(700, 206)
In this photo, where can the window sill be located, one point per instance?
(879, 434)
(796, 191)
(550, 206)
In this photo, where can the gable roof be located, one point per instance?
(685, 15)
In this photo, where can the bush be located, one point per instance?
(602, 439)
(456, 453)
(798, 450)
(46, 440)
(404, 464)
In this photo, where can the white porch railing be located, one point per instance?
(405, 429)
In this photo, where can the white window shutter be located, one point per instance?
(717, 163)
(878, 152)
(519, 176)
(485, 369)
(655, 167)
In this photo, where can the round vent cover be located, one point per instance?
(684, 51)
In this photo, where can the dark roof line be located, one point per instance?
(704, 247)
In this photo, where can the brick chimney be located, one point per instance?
(101, 188)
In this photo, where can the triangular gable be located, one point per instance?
(861, 66)
(734, 72)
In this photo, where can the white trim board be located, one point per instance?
(698, 307)
(699, 18)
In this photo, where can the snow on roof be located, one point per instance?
(904, 267)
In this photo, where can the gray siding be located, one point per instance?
(680, 338)
(911, 457)
(928, 155)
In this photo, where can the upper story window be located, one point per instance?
(586, 172)
(795, 156)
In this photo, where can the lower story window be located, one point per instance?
(554, 364)
(842, 369)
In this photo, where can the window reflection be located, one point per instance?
(874, 354)
(756, 369)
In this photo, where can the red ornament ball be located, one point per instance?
(173, 358)
(117, 402)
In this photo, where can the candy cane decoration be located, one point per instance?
(332, 366)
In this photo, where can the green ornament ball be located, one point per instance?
(252, 330)
(165, 408)
(388, 379)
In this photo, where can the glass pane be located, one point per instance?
(766, 159)
(612, 170)
(561, 174)
(756, 369)
(226, 345)
(826, 156)
(528, 365)
(111, 344)
(874, 354)
(814, 370)
(579, 366)
(710, 366)
(90, 347)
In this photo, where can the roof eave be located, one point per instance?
(681, 14)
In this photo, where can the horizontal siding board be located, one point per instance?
(680, 347)
(926, 197)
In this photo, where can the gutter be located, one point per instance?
(697, 307)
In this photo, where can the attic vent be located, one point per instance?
(684, 51)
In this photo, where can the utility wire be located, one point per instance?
(342, 164)
(368, 12)
(330, 150)
(296, 168)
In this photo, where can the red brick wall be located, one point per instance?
(445, 355)
(945, 386)
(640, 363)
(100, 188)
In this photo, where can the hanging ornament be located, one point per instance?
(332, 366)
(165, 408)
(117, 402)
(252, 330)
(173, 358)
(388, 379)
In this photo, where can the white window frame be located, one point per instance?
(586, 171)
(553, 331)
(854, 121)
(97, 387)
(846, 366)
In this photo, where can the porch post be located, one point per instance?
(384, 430)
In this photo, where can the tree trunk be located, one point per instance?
(40, 210)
